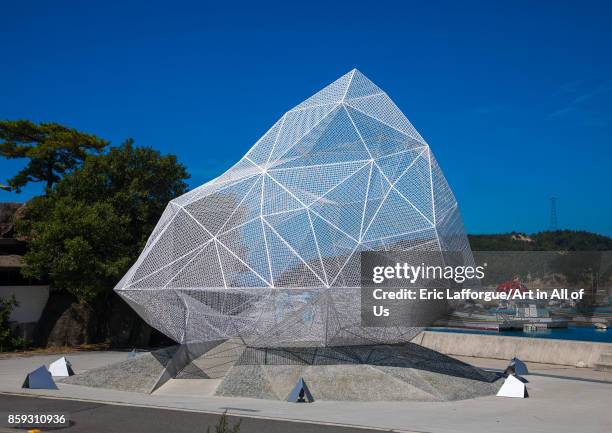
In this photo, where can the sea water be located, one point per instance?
(580, 333)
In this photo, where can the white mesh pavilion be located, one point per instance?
(268, 252)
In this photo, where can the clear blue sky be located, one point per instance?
(515, 98)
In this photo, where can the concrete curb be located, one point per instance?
(540, 350)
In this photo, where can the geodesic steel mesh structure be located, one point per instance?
(268, 252)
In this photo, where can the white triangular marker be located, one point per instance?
(513, 387)
(61, 368)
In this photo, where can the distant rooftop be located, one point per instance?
(11, 261)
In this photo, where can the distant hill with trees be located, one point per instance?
(559, 240)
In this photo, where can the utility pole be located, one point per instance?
(553, 214)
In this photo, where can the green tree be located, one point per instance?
(7, 340)
(560, 240)
(572, 240)
(87, 231)
(53, 150)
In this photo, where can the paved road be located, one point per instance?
(88, 417)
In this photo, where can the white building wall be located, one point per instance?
(32, 301)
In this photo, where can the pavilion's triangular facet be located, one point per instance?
(332, 94)
(361, 87)
(269, 251)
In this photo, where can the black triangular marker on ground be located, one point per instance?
(509, 371)
(517, 367)
(39, 379)
(300, 393)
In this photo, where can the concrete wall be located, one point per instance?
(32, 300)
(544, 350)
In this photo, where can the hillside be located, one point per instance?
(560, 240)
